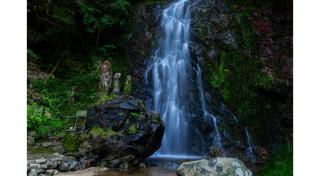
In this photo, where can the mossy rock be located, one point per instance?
(38, 150)
(100, 132)
(71, 142)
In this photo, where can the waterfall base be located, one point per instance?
(172, 157)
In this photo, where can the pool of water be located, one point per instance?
(148, 171)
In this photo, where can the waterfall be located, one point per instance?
(250, 153)
(172, 85)
(217, 138)
(170, 67)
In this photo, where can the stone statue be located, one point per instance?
(127, 85)
(105, 77)
(116, 83)
(72, 94)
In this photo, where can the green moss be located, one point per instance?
(71, 142)
(100, 132)
(240, 78)
(127, 85)
(135, 115)
(133, 129)
(281, 164)
(110, 132)
(247, 32)
(104, 98)
(37, 150)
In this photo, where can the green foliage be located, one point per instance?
(281, 164)
(248, 35)
(135, 115)
(37, 150)
(50, 118)
(31, 56)
(98, 132)
(71, 142)
(240, 78)
(98, 15)
(56, 93)
(40, 119)
(133, 129)
(127, 85)
(103, 98)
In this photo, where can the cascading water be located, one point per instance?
(172, 87)
(169, 69)
(217, 138)
(250, 147)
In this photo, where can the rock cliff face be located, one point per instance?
(142, 44)
(247, 46)
(245, 51)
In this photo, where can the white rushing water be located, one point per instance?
(217, 138)
(172, 87)
(169, 69)
(250, 153)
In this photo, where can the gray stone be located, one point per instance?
(35, 166)
(51, 172)
(219, 166)
(40, 161)
(64, 166)
(31, 138)
(73, 165)
(116, 83)
(33, 172)
(105, 76)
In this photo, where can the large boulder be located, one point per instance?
(214, 167)
(122, 133)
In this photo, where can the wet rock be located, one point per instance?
(51, 172)
(215, 151)
(214, 167)
(50, 164)
(122, 133)
(40, 161)
(64, 166)
(33, 172)
(73, 165)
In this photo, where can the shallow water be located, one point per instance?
(148, 171)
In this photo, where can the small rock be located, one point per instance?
(33, 172)
(51, 172)
(40, 161)
(73, 165)
(35, 166)
(64, 166)
(142, 165)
